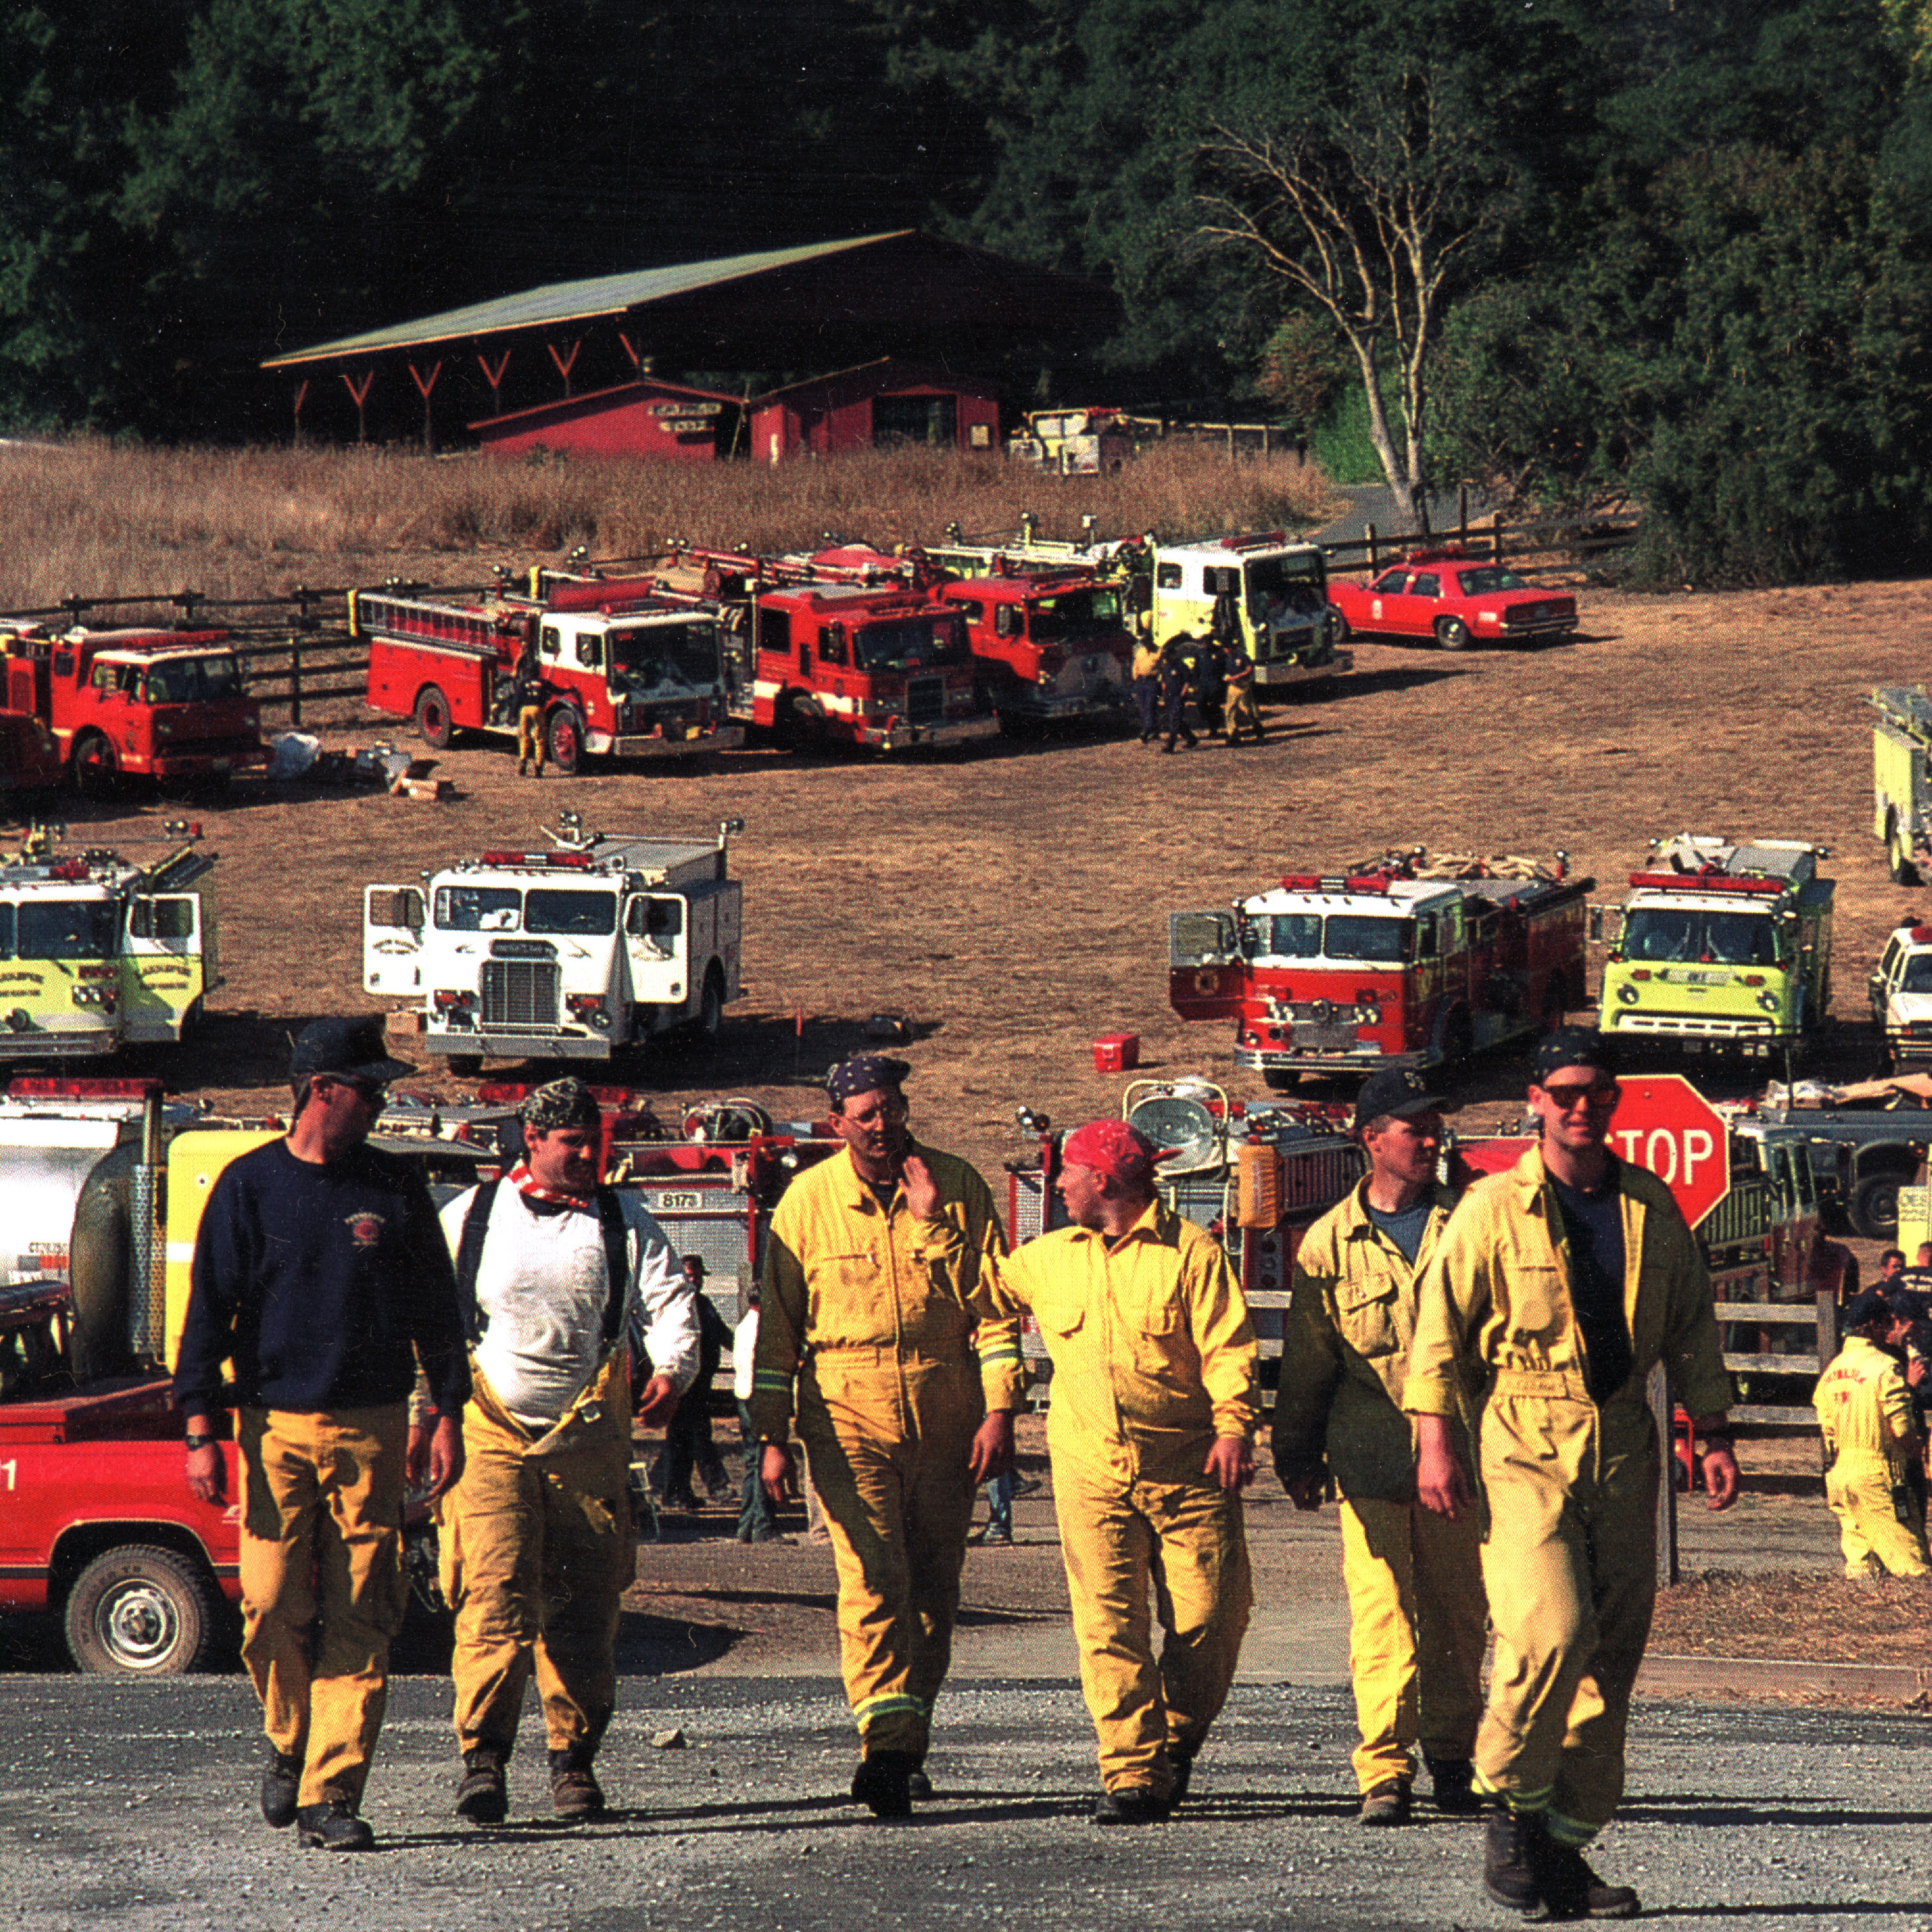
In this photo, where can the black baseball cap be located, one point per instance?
(1399, 1091)
(352, 1049)
(1573, 1046)
(1871, 1305)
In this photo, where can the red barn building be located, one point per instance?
(646, 417)
(875, 405)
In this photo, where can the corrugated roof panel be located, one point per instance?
(571, 301)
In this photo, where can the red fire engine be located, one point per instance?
(825, 654)
(1395, 963)
(625, 669)
(161, 704)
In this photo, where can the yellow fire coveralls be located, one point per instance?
(1569, 1485)
(1153, 1357)
(1417, 1613)
(537, 1550)
(872, 1317)
(1864, 1411)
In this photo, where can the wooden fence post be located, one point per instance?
(295, 679)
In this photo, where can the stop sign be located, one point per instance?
(1665, 1124)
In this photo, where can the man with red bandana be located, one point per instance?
(1151, 1431)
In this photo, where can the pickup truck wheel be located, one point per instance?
(1874, 1212)
(95, 770)
(142, 1612)
(434, 725)
(1339, 633)
(1452, 634)
(564, 734)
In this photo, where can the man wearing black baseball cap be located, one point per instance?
(321, 1274)
(1559, 1285)
(1414, 1578)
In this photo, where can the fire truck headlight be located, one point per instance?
(1769, 1001)
(18, 1020)
(1628, 994)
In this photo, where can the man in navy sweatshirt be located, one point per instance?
(321, 1274)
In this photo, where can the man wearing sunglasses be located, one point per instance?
(1559, 1285)
(320, 1273)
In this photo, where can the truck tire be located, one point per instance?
(1339, 633)
(801, 724)
(710, 1007)
(1452, 634)
(1873, 1209)
(434, 725)
(142, 1612)
(93, 769)
(563, 733)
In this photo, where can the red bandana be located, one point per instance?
(520, 1177)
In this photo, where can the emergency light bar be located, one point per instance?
(1258, 540)
(574, 862)
(1762, 884)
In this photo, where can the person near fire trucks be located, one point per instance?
(878, 1328)
(563, 1283)
(1875, 1484)
(1559, 1285)
(1417, 1613)
(526, 696)
(1147, 678)
(1176, 684)
(1150, 1434)
(319, 1274)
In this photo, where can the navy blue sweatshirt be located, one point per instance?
(322, 1283)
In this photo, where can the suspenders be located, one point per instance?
(470, 1257)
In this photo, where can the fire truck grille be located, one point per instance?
(520, 993)
(925, 700)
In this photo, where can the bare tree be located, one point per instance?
(1374, 216)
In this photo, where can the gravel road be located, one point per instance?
(130, 1805)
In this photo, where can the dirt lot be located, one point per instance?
(1014, 902)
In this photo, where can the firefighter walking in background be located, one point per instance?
(1417, 1614)
(1559, 1285)
(1147, 680)
(1239, 711)
(1176, 680)
(556, 1277)
(1150, 1431)
(877, 1324)
(1876, 1485)
(526, 694)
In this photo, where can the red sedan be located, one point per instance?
(1457, 599)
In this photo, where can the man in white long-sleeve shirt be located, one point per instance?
(561, 1282)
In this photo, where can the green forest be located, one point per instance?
(1581, 253)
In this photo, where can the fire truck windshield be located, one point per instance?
(585, 915)
(1077, 613)
(58, 929)
(577, 913)
(1917, 977)
(1299, 581)
(1667, 933)
(192, 681)
(908, 643)
(1308, 935)
(645, 656)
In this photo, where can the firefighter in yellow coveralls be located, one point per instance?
(556, 1277)
(1562, 1283)
(1864, 1411)
(870, 1310)
(1149, 1432)
(1417, 1617)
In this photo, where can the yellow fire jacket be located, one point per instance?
(1153, 1354)
(843, 1272)
(1344, 1353)
(1864, 1409)
(1495, 1297)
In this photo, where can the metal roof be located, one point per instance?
(575, 301)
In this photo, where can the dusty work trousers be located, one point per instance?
(531, 748)
(1417, 1624)
(1570, 1566)
(537, 1553)
(1134, 1551)
(887, 1438)
(323, 1591)
(1860, 1490)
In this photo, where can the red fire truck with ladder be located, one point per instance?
(170, 705)
(627, 672)
(1403, 962)
(824, 654)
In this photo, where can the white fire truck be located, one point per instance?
(572, 953)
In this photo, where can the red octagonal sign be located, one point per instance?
(1665, 1124)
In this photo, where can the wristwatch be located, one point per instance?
(194, 1442)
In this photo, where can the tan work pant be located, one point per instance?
(887, 1438)
(322, 1590)
(537, 1550)
(1570, 1566)
(531, 748)
(1132, 1551)
(1859, 1489)
(1417, 1624)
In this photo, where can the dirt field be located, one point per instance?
(1014, 902)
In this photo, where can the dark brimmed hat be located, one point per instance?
(1399, 1091)
(352, 1049)
(1573, 1046)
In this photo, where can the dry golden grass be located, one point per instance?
(88, 518)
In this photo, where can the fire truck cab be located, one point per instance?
(1279, 593)
(1384, 965)
(573, 953)
(1048, 645)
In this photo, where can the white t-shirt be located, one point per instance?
(541, 1290)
